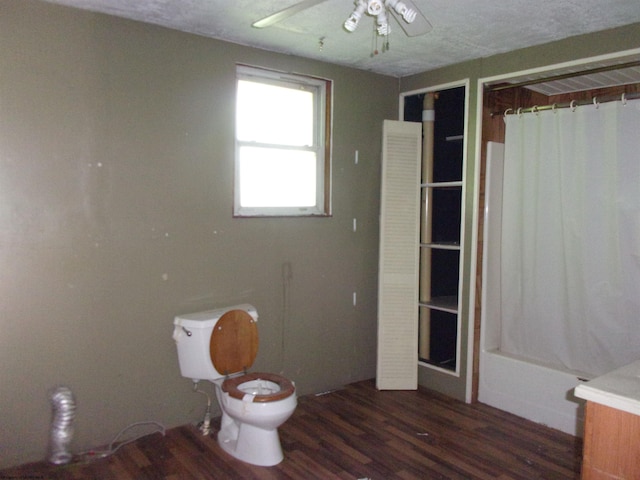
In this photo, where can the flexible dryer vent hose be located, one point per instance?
(64, 411)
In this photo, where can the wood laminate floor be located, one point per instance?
(353, 433)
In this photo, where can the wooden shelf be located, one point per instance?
(454, 184)
(444, 304)
(442, 245)
(454, 138)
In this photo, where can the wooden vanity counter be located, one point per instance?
(612, 425)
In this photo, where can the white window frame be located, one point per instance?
(321, 88)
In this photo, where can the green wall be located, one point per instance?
(116, 172)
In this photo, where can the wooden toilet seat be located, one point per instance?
(233, 348)
(234, 342)
(287, 388)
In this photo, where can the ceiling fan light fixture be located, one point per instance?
(409, 17)
(408, 14)
(354, 19)
(383, 24)
(378, 9)
(375, 7)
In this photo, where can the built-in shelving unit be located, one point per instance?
(441, 219)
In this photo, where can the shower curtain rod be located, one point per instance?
(572, 104)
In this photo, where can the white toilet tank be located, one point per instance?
(192, 334)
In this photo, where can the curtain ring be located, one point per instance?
(520, 111)
(553, 107)
(624, 99)
(573, 105)
(595, 102)
(506, 112)
(534, 109)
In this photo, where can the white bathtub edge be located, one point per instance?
(531, 391)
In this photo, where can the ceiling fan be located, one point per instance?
(412, 21)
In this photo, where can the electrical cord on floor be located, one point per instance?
(114, 446)
(89, 455)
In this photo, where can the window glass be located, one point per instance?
(282, 158)
(284, 116)
(272, 177)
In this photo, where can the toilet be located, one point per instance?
(220, 346)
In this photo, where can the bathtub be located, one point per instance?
(533, 390)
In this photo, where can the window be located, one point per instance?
(282, 164)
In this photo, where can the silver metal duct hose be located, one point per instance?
(64, 411)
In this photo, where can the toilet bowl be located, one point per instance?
(220, 346)
(250, 430)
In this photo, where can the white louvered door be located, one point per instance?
(397, 367)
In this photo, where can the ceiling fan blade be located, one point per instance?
(419, 26)
(285, 13)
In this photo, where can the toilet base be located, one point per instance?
(251, 444)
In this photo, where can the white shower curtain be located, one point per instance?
(570, 293)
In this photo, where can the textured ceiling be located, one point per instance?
(462, 29)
